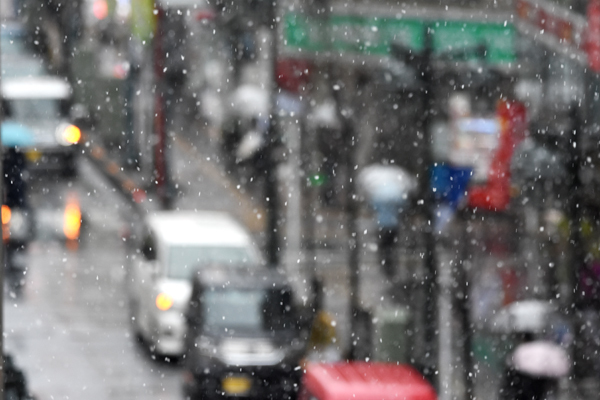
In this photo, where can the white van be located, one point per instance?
(174, 245)
(38, 110)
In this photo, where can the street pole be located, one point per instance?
(575, 206)
(464, 304)
(349, 135)
(577, 303)
(271, 190)
(430, 259)
(131, 80)
(160, 115)
(422, 63)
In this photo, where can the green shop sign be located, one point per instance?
(356, 35)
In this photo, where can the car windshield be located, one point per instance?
(184, 260)
(34, 109)
(13, 42)
(247, 310)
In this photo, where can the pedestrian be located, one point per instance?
(533, 369)
(387, 189)
(387, 234)
(251, 151)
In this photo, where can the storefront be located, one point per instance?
(561, 55)
(562, 43)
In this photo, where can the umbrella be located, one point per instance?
(524, 316)
(385, 183)
(250, 101)
(16, 135)
(541, 359)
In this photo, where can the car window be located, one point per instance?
(13, 42)
(248, 310)
(184, 260)
(34, 109)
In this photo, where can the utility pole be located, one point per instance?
(575, 204)
(575, 211)
(131, 159)
(161, 168)
(464, 303)
(356, 313)
(422, 63)
(430, 260)
(271, 187)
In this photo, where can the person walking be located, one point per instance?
(533, 369)
(387, 189)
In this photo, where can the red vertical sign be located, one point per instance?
(160, 162)
(592, 39)
(494, 195)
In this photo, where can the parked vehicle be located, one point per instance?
(245, 336)
(364, 381)
(39, 107)
(174, 246)
(17, 216)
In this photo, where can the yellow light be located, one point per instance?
(72, 134)
(6, 214)
(164, 302)
(33, 155)
(72, 220)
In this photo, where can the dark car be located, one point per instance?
(245, 336)
(17, 216)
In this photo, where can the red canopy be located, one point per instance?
(366, 381)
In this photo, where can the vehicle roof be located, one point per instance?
(198, 228)
(366, 381)
(232, 276)
(36, 87)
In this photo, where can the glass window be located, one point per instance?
(578, 6)
(184, 260)
(247, 310)
(34, 109)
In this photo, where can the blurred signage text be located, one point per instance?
(570, 30)
(360, 35)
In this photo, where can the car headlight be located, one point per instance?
(68, 134)
(164, 302)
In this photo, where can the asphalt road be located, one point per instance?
(69, 330)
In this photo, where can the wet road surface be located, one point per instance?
(69, 330)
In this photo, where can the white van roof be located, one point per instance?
(200, 228)
(36, 87)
